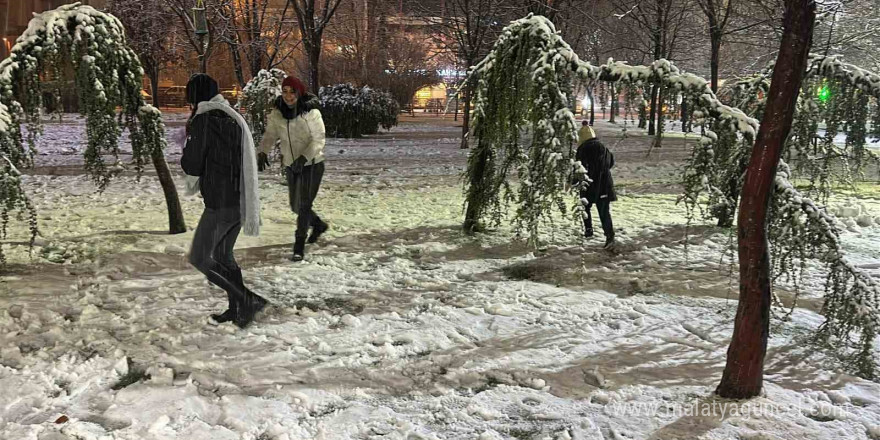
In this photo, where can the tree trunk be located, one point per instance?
(725, 214)
(613, 104)
(592, 106)
(314, 57)
(457, 95)
(684, 116)
(643, 113)
(651, 130)
(715, 37)
(743, 374)
(203, 55)
(661, 119)
(176, 223)
(475, 186)
(466, 117)
(237, 64)
(154, 85)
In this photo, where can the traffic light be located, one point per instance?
(824, 92)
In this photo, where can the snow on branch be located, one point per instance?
(525, 81)
(852, 297)
(533, 44)
(107, 75)
(257, 98)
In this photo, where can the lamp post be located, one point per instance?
(200, 27)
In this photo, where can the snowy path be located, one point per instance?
(384, 344)
(398, 326)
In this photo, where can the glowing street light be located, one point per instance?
(200, 21)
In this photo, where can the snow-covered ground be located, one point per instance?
(397, 326)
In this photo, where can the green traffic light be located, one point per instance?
(824, 93)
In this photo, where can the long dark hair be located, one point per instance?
(200, 87)
(304, 103)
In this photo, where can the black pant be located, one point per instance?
(604, 208)
(302, 188)
(211, 251)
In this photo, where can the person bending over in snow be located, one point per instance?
(599, 191)
(220, 151)
(297, 123)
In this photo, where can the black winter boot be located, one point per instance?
(248, 302)
(229, 314)
(299, 249)
(232, 309)
(319, 228)
(588, 226)
(609, 243)
(248, 308)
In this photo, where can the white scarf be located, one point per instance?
(250, 199)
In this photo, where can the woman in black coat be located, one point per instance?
(215, 152)
(599, 191)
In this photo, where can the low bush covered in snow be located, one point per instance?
(351, 112)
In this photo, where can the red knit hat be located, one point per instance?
(296, 84)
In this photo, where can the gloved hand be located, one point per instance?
(297, 166)
(262, 161)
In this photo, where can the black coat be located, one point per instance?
(213, 152)
(598, 161)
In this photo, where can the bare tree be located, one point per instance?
(657, 25)
(258, 33)
(377, 48)
(409, 67)
(150, 31)
(718, 14)
(362, 30)
(468, 30)
(743, 374)
(851, 28)
(313, 21)
(722, 14)
(202, 45)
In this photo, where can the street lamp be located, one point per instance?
(200, 21)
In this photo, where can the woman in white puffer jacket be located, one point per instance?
(297, 124)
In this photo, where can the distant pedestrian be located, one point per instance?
(599, 190)
(220, 151)
(297, 123)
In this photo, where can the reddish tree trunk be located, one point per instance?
(176, 223)
(744, 372)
